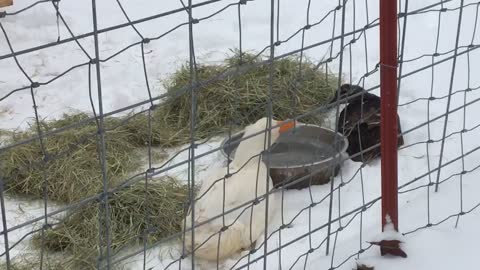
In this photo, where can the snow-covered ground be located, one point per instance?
(438, 247)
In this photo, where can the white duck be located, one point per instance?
(243, 227)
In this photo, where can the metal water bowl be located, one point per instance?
(307, 155)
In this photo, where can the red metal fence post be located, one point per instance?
(389, 125)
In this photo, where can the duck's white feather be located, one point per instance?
(219, 194)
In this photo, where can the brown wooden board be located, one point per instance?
(6, 3)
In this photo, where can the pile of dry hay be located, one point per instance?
(159, 208)
(72, 169)
(239, 99)
(134, 210)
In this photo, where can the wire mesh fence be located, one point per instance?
(230, 197)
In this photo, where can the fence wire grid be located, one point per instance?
(438, 128)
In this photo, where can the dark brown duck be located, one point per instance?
(359, 121)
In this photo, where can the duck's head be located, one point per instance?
(279, 126)
(253, 139)
(346, 90)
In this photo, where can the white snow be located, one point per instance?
(439, 247)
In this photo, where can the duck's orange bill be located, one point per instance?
(284, 127)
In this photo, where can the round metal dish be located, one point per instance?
(302, 157)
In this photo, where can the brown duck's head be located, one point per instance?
(346, 90)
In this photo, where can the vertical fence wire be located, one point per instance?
(342, 6)
(269, 126)
(403, 32)
(193, 116)
(4, 224)
(450, 89)
(104, 206)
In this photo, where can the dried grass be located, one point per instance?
(77, 237)
(236, 100)
(72, 168)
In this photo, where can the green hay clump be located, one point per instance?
(240, 98)
(72, 169)
(77, 235)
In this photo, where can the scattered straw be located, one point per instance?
(240, 100)
(72, 170)
(77, 235)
